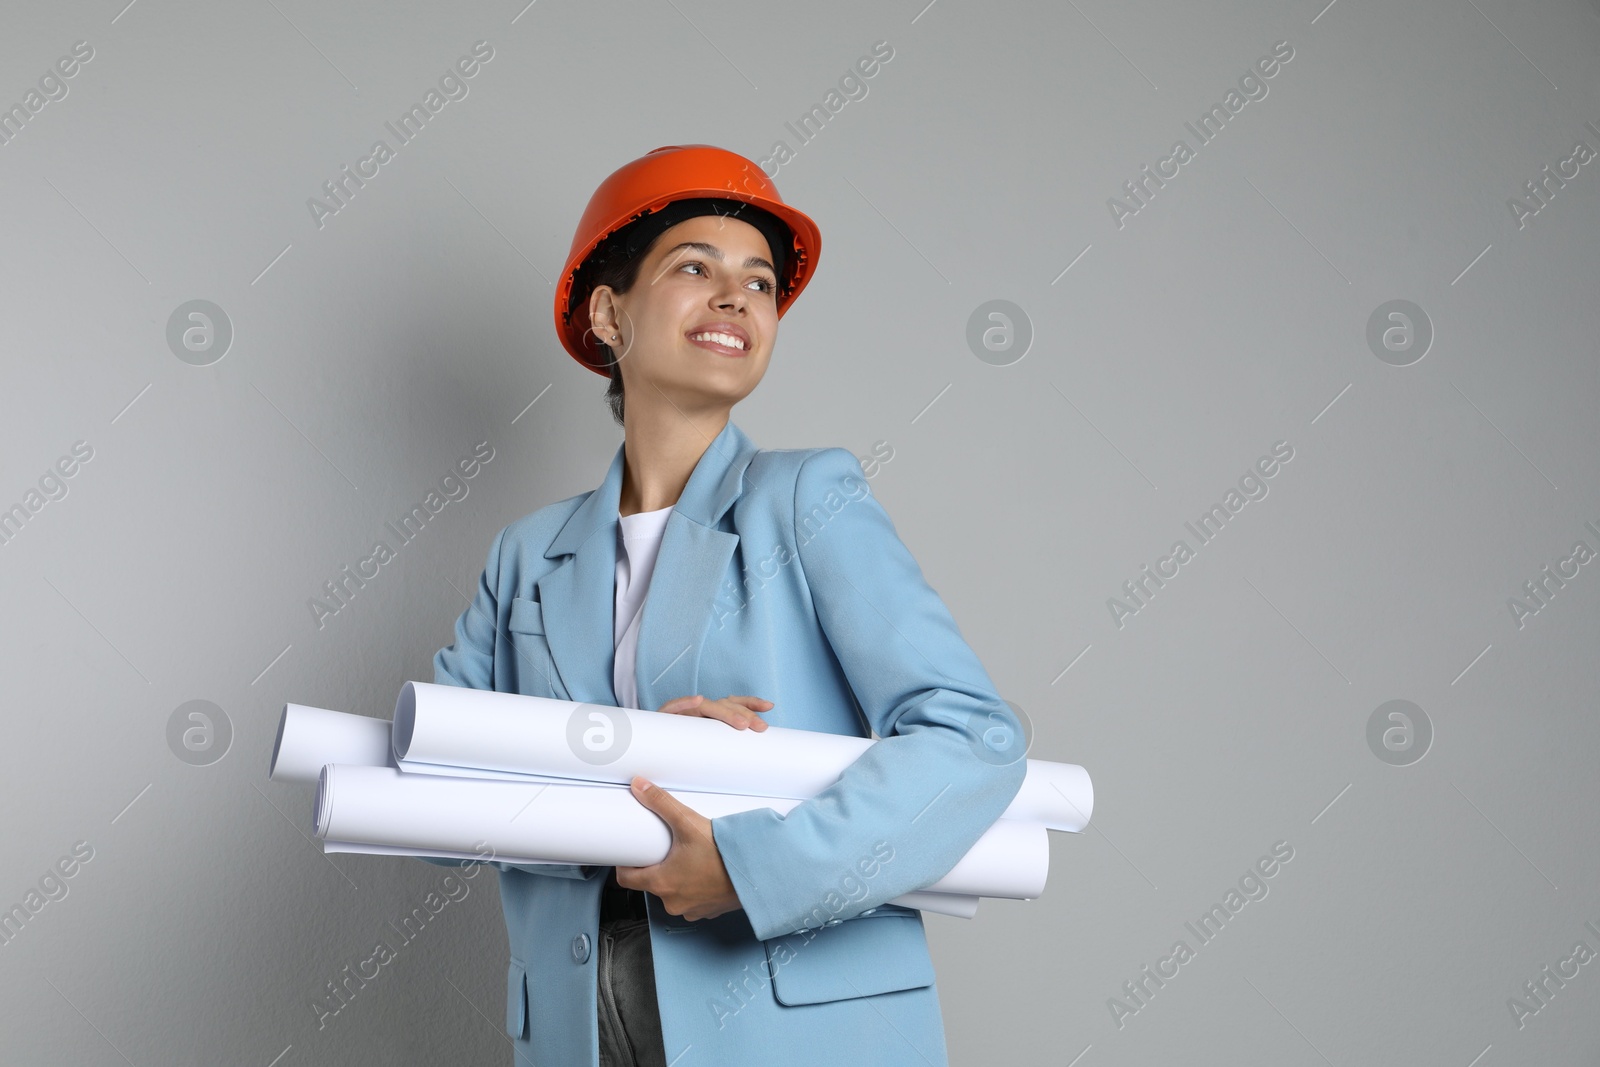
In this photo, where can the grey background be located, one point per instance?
(1228, 314)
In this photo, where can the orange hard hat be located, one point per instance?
(648, 184)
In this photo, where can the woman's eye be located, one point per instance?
(766, 286)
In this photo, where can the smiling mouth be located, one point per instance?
(724, 344)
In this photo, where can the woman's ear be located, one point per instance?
(602, 320)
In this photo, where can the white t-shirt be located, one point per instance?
(640, 537)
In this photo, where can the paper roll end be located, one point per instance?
(277, 742)
(320, 808)
(405, 719)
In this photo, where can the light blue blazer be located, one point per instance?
(779, 576)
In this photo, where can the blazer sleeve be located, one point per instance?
(951, 754)
(469, 662)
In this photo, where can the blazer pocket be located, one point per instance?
(869, 954)
(517, 1000)
(530, 649)
(527, 616)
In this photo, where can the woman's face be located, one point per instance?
(707, 275)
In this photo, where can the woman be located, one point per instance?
(773, 574)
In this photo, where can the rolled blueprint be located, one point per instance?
(960, 905)
(587, 824)
(447, 729)
(310, 737)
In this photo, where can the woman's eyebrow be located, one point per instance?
(716, 253)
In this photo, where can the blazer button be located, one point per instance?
(580, 948)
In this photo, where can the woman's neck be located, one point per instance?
(660, 451)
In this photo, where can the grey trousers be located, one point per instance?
(630, 1020)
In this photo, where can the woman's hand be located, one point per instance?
(692, 880)
(737, 712)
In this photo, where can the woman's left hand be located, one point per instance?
(692, 880)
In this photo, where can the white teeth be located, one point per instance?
(720, 338)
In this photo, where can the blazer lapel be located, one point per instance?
(579, 595)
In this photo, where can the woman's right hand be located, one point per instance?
(738, 712)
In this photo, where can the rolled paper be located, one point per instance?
(447, 729)
(586, 824)
(308, 738)
(361, 848)
(959, 905)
